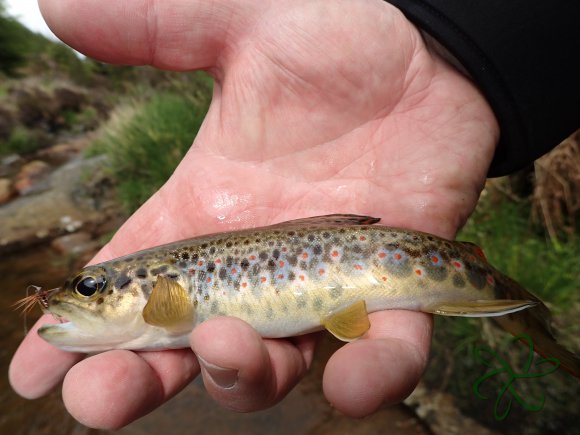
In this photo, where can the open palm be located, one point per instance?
(319, 107)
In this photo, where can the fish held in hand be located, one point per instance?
(288, 279)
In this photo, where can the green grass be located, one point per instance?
(552, 272)
(146, 140)
(21, 141)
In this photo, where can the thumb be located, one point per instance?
(169, 34)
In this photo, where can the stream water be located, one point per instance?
(304, 411)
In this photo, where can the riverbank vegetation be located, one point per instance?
(145, 120)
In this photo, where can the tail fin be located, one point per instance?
(536, 322)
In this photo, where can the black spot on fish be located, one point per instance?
(435, 273)
(271, 264)
(317, 250)
(141, 273)
(356, 249)
(311, 237)
(317, 304)
(458, 281)
(122, 281)
(229, 261)
(212, 250)
(223, 273)
(303, 265)
(263, 255)
(204, 245)
(292, 260)
(476, 277)
(159, 270)
(276, 254)
(335, 292)
(229, 244)
(100, 301)
(291, 276)
(211, 267)
(245, 264)
(255, 269)
(173, 276)
(326, 235)
(185, 256)
(291, 233)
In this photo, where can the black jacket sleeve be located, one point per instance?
(524, 56)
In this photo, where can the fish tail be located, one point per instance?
(536, 323)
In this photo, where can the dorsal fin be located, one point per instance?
(332, 220)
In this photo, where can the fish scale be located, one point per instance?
(322, 269)
(288, 279)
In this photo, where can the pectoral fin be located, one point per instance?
(169, 306)
(482, 308)
(349, 323)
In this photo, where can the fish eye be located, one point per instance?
(90, 285)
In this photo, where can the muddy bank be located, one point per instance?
(74, 197)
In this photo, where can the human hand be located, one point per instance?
(319, 107)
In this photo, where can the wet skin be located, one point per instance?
(307, 119)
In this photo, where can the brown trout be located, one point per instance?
(288, 279)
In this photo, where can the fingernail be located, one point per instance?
(223, 377)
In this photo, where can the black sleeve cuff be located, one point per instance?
(524, 56)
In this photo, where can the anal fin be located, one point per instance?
(169, 306)
(479, 308)
(349, 323)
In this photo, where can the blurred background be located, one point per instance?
(80, 149)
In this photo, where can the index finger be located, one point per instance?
(38, 367)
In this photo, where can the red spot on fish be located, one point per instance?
(281, 263)
(334, 253)
(252, 257)
(457, 264)
(434, 259)
(321, 271)
(263, 279)
(218, 261)
(384, 278)
(382, 255)
(284, 249)
(280, 276)
(419, 272)
(397, 256)
(244, 284)
(362, 238)
(191, 271)
(305, 255)
(358, 267)
(301, 277)
(490, 280)
(200, 263)
(234, 270)
(208, 279)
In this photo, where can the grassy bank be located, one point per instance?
(549, 269)
(146, 137)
